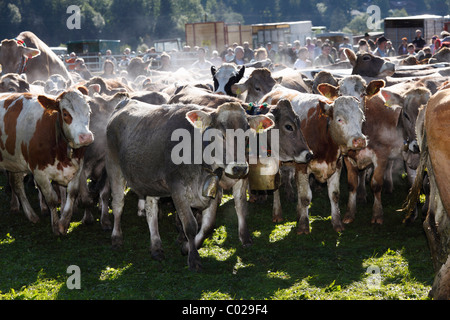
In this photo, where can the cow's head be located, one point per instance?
(409, 102)
(230, 124)
(443, 55)
(292, 143)
(257, 85)
(13, 56)
(345, 119)
(74, 115)
(368, 65)
(354, 86)
(13, 82)
(55, 84)
(224, 77)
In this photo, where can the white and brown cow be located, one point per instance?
(331, 128)
(225, 76)
(44, 136)
(30, 55)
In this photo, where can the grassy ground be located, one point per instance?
(279, 265)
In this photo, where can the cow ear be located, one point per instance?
(351, 56)
(325, 108)
(48, 103)
(30, 52)
(199, 119)
(83, 90)
(328, 91)
(278, 79)
(374, 87)
(391, 98)
(241, 73)
(260, 123)
(238, 88)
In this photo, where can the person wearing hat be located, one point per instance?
(380, 51)
(403, 47)
(418, 41)
(369, 41)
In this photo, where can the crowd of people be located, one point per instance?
(315, 52)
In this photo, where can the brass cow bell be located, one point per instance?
(264, 175)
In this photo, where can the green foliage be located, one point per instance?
(132, 20)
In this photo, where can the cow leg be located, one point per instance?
(14, 205)
(352, 178)
(333, 195)
(72, 193)
(277, 214)
(190, 227)
(388, 180)
(18, 188)
(208, 219)
(51, 197)
(141, 208)
(287, 176)
(241, 206)
(361, 194)
(117, 185)
(105, 192)
(304, 200)
(86, 200)
(151, 212)
(377, 184)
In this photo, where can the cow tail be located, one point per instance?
(414, 193)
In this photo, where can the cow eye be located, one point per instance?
(366, 58)
(257, 89)
(12, 90)
(289, 127)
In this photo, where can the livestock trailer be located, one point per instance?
(286, 32)
(395, 28)
(216, 35)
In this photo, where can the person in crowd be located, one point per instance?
(411, 49)
(346, 43)
(271, 53)
(341, 56)
(248, 52)
(71, 61)
(418, 41)
(216, 60)
(303, 59)
(310, 46)
(370, 42)
(109, 71)
(166, 63)
(363, 46)
(230, 55)
(390, 51)
(81, 69)
(403, 47)
(380, 51)
(318, 48)
(260, 54)
(239, 56)
(324, 59)
(202, 63)
(150, 54)
(433, 42)
(108, 56)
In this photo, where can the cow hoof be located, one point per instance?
(376, 220)
(338, 227)
(277, 219)
(158, 255)
(195, 264)
(303, 230)
(348, 219)
(106, 225)
(34, 219)
(116, 242)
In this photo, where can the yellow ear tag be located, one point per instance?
(260, 128)
(238, 91)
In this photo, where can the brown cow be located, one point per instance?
(259, 83)
(386, 126)
(432, 133)
(13, 82)
(368, 65)
(30, 55)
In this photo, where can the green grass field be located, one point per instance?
(279, 265)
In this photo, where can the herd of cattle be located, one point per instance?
(118, 132)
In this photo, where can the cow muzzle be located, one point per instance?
(304, 157)
(85, 139)
(359, 143)
(236, 170)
